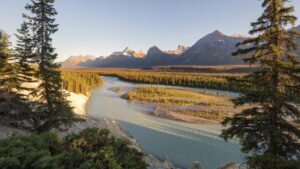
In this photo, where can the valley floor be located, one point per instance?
(79, 101)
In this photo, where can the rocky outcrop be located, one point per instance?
(196, 165)
(180, 50)
(154, 163)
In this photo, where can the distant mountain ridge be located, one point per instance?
(180, 50)
(213, 49)
(76, 60)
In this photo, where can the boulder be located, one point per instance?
(196, 165)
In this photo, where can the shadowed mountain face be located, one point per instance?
(213, 49)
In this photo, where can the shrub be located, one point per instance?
(268, 161)
(90, 149)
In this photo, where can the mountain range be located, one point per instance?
(76, 60)
(213, 49)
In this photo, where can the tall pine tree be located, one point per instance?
(268, 130)
(56, 111)
(24, 59)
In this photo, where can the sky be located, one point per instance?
(100, 27)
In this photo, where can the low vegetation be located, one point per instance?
(184, 101)
(90, 149)
(80, 82)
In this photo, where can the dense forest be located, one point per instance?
(208, 69)
(80, 82)
(222, 81)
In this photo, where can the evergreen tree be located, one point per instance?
(8, 98)
(7, 69)
(56, 111)
(269, 127)
(24, 58)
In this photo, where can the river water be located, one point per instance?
(180, 142)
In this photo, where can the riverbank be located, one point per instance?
(79, 101)
(182, 143)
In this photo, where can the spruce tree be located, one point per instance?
(24, 59)
(56, 111)
(8, 98)
(7, 69)
(268, 130)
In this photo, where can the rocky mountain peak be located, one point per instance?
(127, 52)
(180, 49)
(153, 50)
(214, 36)
(75, 60)
(217, 33)
(237, 35)
(130, 52)
(139, 54)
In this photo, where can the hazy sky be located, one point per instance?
(99, 27)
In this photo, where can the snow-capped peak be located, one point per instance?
(236, 35)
